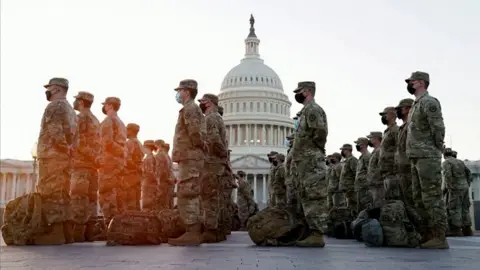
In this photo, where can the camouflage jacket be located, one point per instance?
(288, 163)
(401, 161)
(163, 170)
(58, 132)
(114, 138)
(426, 130)
(362, 171)
(334, 173)
(244, 192)
(387, 151)
(134, 156)
(149, 174)
(311, 135)
(190, 132)
(454, 174)
(216, 138)
(89, 148)
(347, 177)
(374, 177)
(278, 183)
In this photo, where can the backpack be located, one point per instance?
(134, 228)
(398, 231)
(172, 225)
(357, 224)
(372, 233)
(339, 222)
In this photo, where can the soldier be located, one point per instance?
(278, 183)
(458, 202)
(150, 181)
(337, 196)
(454, 154)
(56, 144)
(215, 161)
(364, 198)
(273, 169)
(425, 141)
(229, 183)
(164, 176)
(133, 168)
(244, 200)
(88, 159)
(467, 229)
(309, 161)
(374, 178)
(189, 149)
(402, 164)
(388, 147)
(114, 138)
(347, 178)
(292, 202)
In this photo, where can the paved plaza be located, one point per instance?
(238, 253)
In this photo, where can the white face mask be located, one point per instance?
(178, 98)
(295, 123)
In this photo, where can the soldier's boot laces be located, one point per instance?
(68, 231)
(210, 236)
(192, 237)
(455, 232)
(315, 239)
(54, 236)
(79, 233)
(90, 232)
(438, 241)
(467, 231)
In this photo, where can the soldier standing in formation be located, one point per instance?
(87, 160)
(364, 199)
(114, 138)
(133, 169)
(273, 169)
(56, 145)
(164, 175)
(244, 200)
(386, 160)
(150, 181)
(309, 161)
(188, 151)
(291, 194)
(347, 178)
(425, 142)
(337, 196)
(278, 183)
(215, 161)
(375, 182)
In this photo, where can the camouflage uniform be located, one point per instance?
(292, 201)
(56, 142)
(458, 202)
(278, 184)
(273, 169)
(189, 152)
(374, 178)
(150, 181)
(337, 196)
(386, 161)
(215, 161)
(244, 201)
(164, 175)
(309, 161)
(110, 184)
(84, 183)
(425, 138)
(133, 169)
(364, 198)
(347, 179)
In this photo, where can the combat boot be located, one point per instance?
(315, 239)
(209, 236)
(467, 231)
(90, 231)
(455, 232)
(53, 236)
(438, 240)
(68, 231)
(192, 237)
(79, 233)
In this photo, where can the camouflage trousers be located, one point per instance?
(111, 192)
(392, 187)
(226, 209)
(84, 194)
(351, 199)
(427, 192)
(405, 182)
(458, 209)
(150, 195)
(364, 199)
(165, 195)
(132, 189)
(378, 195)
(210, 194)
(188, 191)
(336, 199)
(54, 186)
(243, 211)
(311, 184)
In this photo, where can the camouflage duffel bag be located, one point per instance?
(339, 222)
(134, 228)
(171, 225)
(23, 220)
(275, 227)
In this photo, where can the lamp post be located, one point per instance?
(34, 174)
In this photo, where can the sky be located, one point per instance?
(357, 52)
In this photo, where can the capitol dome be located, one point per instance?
(256, 115)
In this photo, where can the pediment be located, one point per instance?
(250, 161)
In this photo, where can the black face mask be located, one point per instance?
(104, 111)
(399, 113)
(343, 154)
(358, 147)
(48, 95)
(203, 107)
(410, 88)
(270, 160)
(300, 98)
(333, 161)
(275, 163)
(370, 144)
(384, 120)
(327, 162)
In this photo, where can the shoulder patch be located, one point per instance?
(312, 117)
(432, 108)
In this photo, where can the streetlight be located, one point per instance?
(34, 156)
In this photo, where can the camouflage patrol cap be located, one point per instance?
(272, 153)
(159, 143)
(336, 155)
(418, 75)
(112, 100)
(290, 137)
(377, 134)
(220, 110)
(57, 81)
(346, 146)
(406, 102)
(454, 153)
(187, 84)
(388, 110)
(149, 143)
(448, 151)
(305, 84)
(361, 140)
(85, 96)
(133, 126)
(281, 157)
(210, 97)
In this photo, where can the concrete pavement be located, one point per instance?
(238, 253)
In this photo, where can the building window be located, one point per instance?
(271, 107)
(244, 107)
(251, 106)
(264, 107)
(238, 107)
(258, 106)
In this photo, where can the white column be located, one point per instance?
(270, 135)
(255, 134)
(3, 180)
(239, 135)
(264, 135)
(255, 187)
(230, 135)
(14, 185)
(264, 190)
(247, 134)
